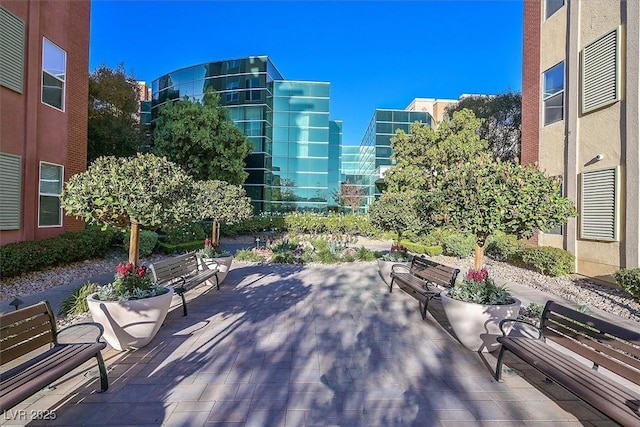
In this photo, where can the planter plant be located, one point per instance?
(212, 256)
(397, 255)
(131, 308)
(475, 307)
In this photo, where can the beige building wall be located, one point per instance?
(604, 138)
(433, 106)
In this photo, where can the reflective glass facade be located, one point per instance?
(290, 166)
(375, 148)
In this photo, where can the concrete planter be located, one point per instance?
(384, 269)
(476, 325)
(130, 324)
(223, 263)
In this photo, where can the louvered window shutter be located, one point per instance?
(12, 32)
(600, 69)
(10, 191)
(599, 208)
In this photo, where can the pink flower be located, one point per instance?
(125, 269)
(478, 275)
(141, 271)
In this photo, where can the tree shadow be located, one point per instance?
(312, 345)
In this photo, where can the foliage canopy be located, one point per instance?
(221, 201)
(501, 121)
(113, 127)
(397, 212)
(200, 137)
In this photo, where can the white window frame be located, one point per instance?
(40, 194)
(548, 15)
(548, 96)
(64, 81)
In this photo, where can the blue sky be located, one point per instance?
(376, 54)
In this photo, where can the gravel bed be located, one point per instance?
(580, 290)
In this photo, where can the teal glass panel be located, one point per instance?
(280, 149)
(280, 119)
(50, 213)
(400, 116)
(317, 165)
(253, 113)
(383, 151)
(384, 127)
(384, 116)
(281, 104)
(280, 163)
(417, 116)
(280, 134)
(318, 135)
(383, 140)
(318, 150)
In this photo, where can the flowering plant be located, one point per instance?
(130, 282)
(479, 288)
(212, 250)
(398, 253)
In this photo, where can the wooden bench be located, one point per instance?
(181, 273)
(602, 344)
(423, 279)
(25, 330)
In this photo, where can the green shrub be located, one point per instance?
(248, 255)
(364, 254)
(332, 223)
(548, 260)
(433, 250)
(148, 240)
(256, 224)
(283, 257)
(629, 280)
(37, 255)
(169, 249)
(325, 256)
(76, 303)
(504, 247)
(458, 245)
(184, 233)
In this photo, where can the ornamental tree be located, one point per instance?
(141, 191)
(424, 154)
(221, 202)
(481, 197)
(200, 137)
(396, 212)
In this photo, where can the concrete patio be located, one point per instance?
(305, 346)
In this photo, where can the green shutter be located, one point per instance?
(599, 205)
(12, 33)
(600, 68)
(10, 191)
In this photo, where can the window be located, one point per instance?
(54, 74)
(49, 211)
(599, 205)
(553, 94)
(600, 71)
(253, 95)
(11, 190)
(551, 7)
(12, 58)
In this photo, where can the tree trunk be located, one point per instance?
(134, 243)
(479, 255)
(399, 238)
(215, 227)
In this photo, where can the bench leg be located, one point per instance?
(499, 364)
(217, 282)
(104, 379)
(391, 285)
(184, 304)
(423, 308)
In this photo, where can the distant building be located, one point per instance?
(295, 161)
(435, 107)
(580, 119)
(44, 85)
(375, 149)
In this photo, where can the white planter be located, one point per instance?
(224, 264)
(130, 324)
(476, 325)
(384, 269)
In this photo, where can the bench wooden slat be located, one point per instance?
(602, 343)
(181, 272)
(424, 280)
(29, 329)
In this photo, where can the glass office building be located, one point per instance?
(293, 164)
(375, 148)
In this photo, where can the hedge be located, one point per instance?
(629, 280)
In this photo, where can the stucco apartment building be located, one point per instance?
(44, 62)
(580, 117)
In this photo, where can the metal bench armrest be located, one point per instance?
(504, 333)
(394, 266)
(82, 324)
